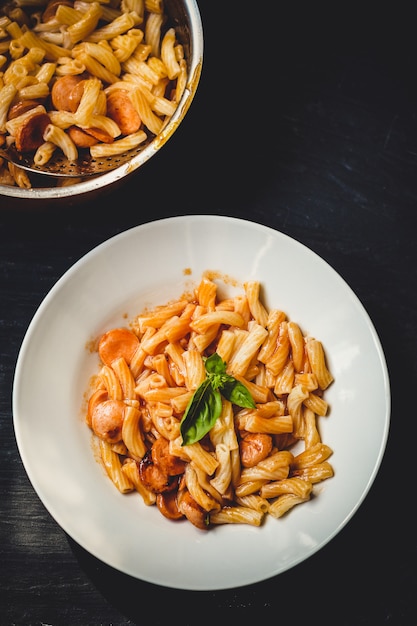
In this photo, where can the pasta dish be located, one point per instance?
(208, 407)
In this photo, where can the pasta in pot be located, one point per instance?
(126, 50)
(239, 442)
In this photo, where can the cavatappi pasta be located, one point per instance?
(101, 76)
(249, 462)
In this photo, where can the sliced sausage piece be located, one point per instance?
(168, 505)
(18, 108)
(117, 342)
(75, 95)
(192, 510)
(29, 135)
(81, 138)
(96, 398)
(254, 447)
(169, 463)
(99, 134)
(61, 91)
(121, 110)
(107, 420)
(153, 477)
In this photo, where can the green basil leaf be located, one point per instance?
(205, 406)
(201, 413)
(215, 365)
(236, 392)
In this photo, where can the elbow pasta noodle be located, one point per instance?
(252, 463)
(110, 382)
(104, 55)
(132, 433)
(155, 6)
(237, 515)
(106, 124)
(19, 176)
(68, 65)
(168, 54)
(181, 80)
(84, 25)
(35, 91)
(6, 176)
(153, 32)
(200, 495)
(119, 146)
(87, 104)
(151, 120)
(118, 26)
(95, 68)
(113, 466)
(67, 15)
(122, 44)
(57, 136)
(44, 153)
(125, 45)
(7, 94)
(127, 382)
(45, 73)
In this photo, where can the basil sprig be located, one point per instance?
(205, 406)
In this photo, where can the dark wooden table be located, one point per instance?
(304, 121)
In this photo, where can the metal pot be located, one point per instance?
(185, 17)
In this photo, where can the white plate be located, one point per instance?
(146, 266)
